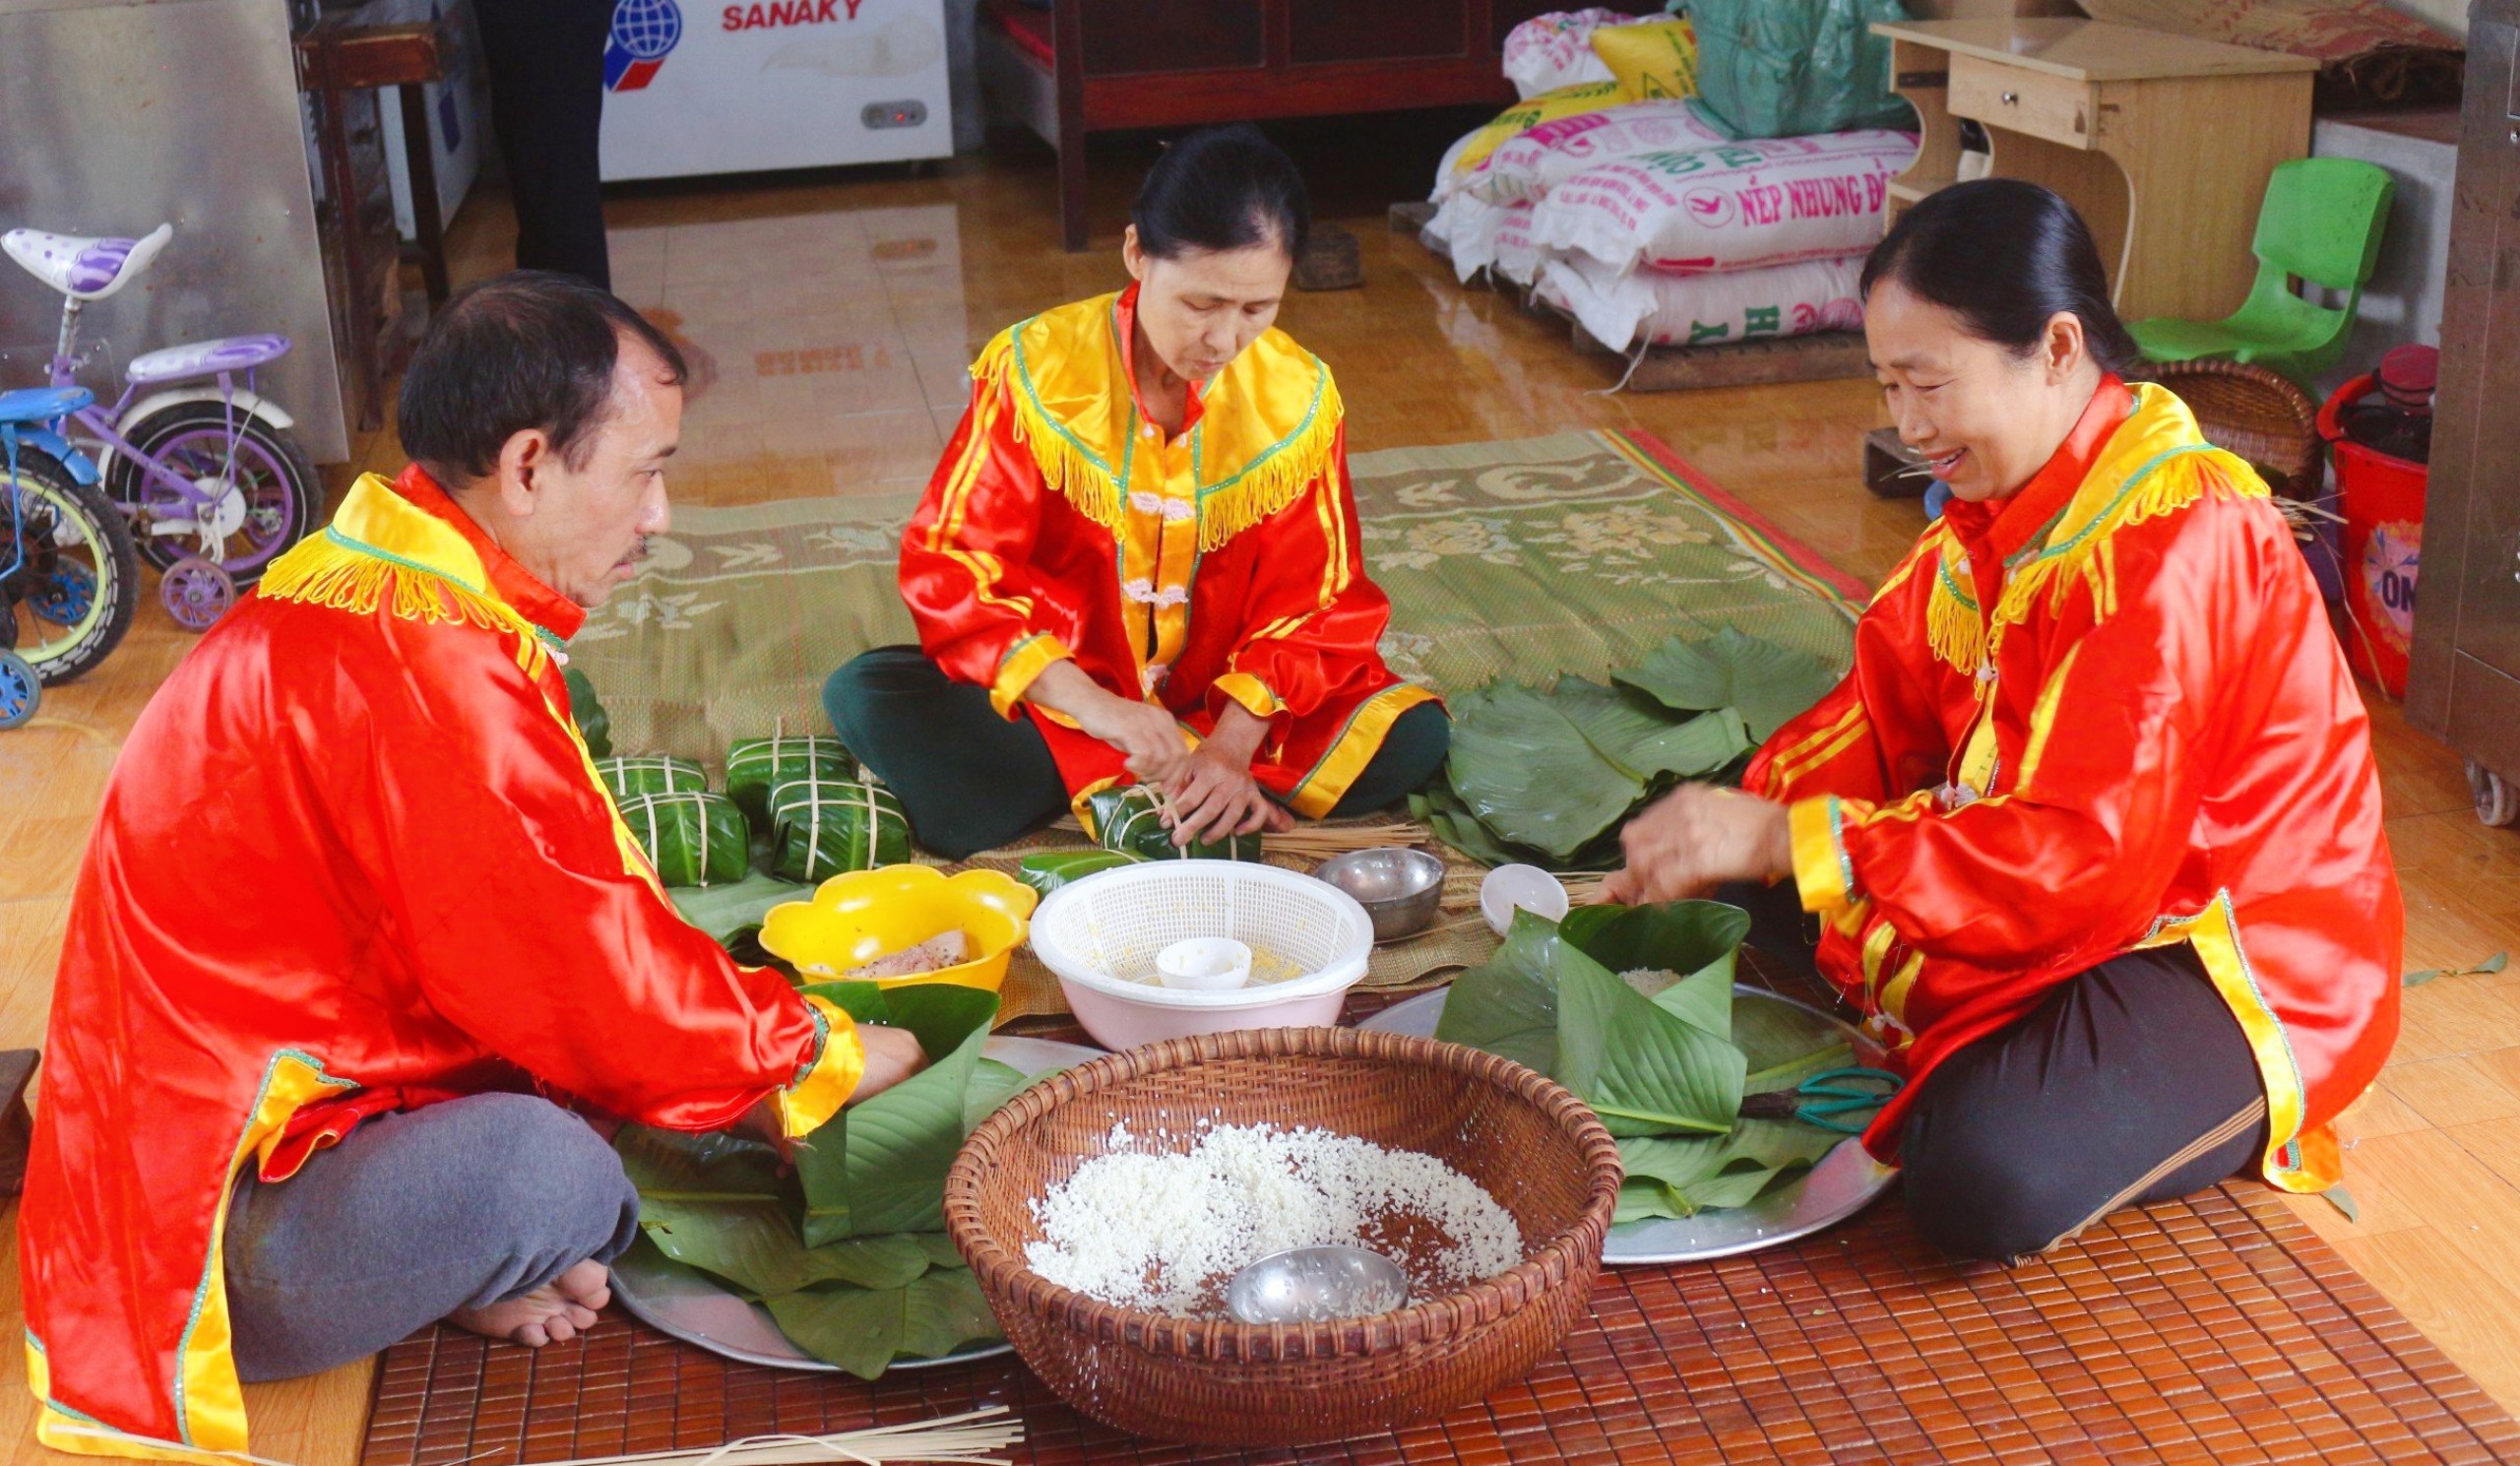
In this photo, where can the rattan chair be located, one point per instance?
(2254, 412)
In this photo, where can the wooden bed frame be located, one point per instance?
(1091, 66)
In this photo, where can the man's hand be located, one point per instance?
(892, 1055)
(1144, 733)
(1695, 839)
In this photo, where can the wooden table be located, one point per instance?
(2162, 142)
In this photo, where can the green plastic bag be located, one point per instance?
(1791, 68)
(633, 775)
(821, 827)
(692, 839)
(756, 766)
(1131, 819)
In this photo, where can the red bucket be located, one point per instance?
(2383, 507)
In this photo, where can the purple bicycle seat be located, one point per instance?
(203, 359)
(42, 403)
(81, 268)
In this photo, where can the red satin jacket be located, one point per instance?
(352, 858)
(2104, 713)
(1218, 564)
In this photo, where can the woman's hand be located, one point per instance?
(1695, 839)
(1214, 793)
(1145, 734)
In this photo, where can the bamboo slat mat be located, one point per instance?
(2213, 1331)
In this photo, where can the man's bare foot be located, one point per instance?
(554, 1313)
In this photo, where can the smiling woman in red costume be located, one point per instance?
(1139, 562)
(2092, 829)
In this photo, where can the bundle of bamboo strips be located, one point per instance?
(1321, 842)
(975, 1438)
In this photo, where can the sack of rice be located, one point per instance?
(1468, 154)
(755, 765)
(1765, 201)
(1131, 818)
(1553, 50)
(692, 839)
(1671, 310)
(821, 827)
(1494, 236)
(1523, 170)
(630, 774)
(1651, 60)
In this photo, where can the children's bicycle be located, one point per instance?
(201, 464)
(69, 574)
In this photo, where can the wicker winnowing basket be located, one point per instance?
(1536, 1148)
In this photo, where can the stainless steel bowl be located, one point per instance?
(1400, 889)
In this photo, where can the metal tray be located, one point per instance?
(697, 1308)
(1844, 1183)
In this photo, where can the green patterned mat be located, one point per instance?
(1572, 553)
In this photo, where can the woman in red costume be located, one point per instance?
(2091, 830)
(1139, 562)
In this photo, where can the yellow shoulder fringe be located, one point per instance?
(325, 569)
(1244, 482)
(2080, 550)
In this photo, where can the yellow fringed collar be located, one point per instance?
(2156, 463)
(383, 550)
(1266, 429)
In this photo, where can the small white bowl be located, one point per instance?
(1528, 887)
(1204, 964)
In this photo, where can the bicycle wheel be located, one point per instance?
(68, 572)
(266, 494)
(21, 692)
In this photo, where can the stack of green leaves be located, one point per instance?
(821, 826)
(630, 775)
(1548, 778)
(1130, 819)
(756, 766)
(849, 1253)
(594, 725)
(692, 839)
(1049, 869)
(1631, 1007)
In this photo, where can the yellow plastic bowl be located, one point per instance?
(861, 915)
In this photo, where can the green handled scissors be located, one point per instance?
(1825, 1095)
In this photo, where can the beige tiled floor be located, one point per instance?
(832, 319)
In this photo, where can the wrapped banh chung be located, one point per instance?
(821, 827)
(692, 839)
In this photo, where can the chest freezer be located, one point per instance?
(696, 87)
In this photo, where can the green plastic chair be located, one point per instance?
(2321, 223)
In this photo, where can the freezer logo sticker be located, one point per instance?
(644, 34)
(783, 13)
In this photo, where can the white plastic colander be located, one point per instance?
(1100, 938)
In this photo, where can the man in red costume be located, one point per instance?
(358, 912)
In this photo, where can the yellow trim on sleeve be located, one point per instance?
(1358, 743)
(818, 1094)
(1252, 693)
(1022, 666)
(1821, 870)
